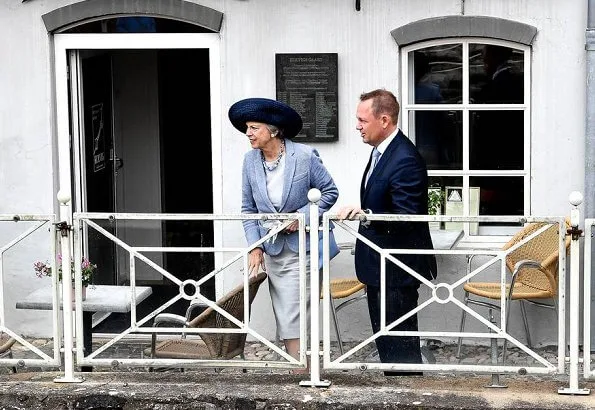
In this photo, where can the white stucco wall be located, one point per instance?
(27, 154)
(252, 32)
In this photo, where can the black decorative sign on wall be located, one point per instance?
(308, 83)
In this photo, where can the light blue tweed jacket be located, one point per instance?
(303, 170)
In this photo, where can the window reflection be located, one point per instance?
(495, 74)
(496, 140)
(499, 195)
(438, 136)
(137, 24)
(438, 74)
(140, 24)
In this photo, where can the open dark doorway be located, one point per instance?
(156, 109)
(96, 70)
(185, 124)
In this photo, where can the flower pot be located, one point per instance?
(436, 225)
(84, 291)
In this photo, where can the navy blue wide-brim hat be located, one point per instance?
(268, 112)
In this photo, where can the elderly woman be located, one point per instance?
(276, 177)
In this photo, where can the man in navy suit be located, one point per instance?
(395, 181)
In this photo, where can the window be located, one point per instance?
(466, 107)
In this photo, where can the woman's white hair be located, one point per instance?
(275, 131)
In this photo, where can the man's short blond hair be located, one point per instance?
(383, 102)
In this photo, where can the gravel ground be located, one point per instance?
(133, 388)
(435, 351)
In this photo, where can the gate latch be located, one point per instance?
(575, 232)
(63, 227)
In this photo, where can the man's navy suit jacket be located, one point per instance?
(398, 185)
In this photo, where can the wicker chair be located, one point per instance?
(210, 345)
(339, 289)
(534, 267)
(6, 343)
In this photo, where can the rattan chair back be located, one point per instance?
(542, 248)
(227, 345)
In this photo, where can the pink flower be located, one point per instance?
(43, 269)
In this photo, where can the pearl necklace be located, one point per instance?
(276, 162)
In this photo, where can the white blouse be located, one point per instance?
(275, 182)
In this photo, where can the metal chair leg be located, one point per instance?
(505, 342)
(464, 313)
(336, 323)
(494, 353)
(14, 369)
(462, 325)
(526, 323)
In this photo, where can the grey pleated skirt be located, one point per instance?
(284, 288)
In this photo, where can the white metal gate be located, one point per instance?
(15, 229)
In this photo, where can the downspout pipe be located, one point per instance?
(589, 203)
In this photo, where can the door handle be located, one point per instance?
(118, 163)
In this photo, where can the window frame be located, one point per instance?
(407, 106)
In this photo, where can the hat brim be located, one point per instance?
(268, 112)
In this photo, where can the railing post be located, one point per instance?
(575, 198)
(314, 196)
(65, 242)
(588, 268)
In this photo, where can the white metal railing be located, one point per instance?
(27, 225)
(100, 357)
(588, 370)
(575, 198)
(442, 293)
(71, 236)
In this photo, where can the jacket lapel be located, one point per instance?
(385, 158)
(290, 163)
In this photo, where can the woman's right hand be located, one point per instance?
(255, 262)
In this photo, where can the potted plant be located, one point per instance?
(43, 269)
(435, 197)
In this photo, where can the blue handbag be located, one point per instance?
(333, 248)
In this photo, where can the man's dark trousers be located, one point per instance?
(396, 349)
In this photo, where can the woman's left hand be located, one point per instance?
(256, 262)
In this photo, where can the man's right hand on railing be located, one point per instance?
(350, 212)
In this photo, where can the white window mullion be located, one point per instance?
(527, 162)
(406, 87)
(465, 111)
(466, 203)
(527, 132)
(465, 115)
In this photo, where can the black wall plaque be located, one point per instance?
(308, 83)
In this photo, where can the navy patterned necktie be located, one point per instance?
(375, 157)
